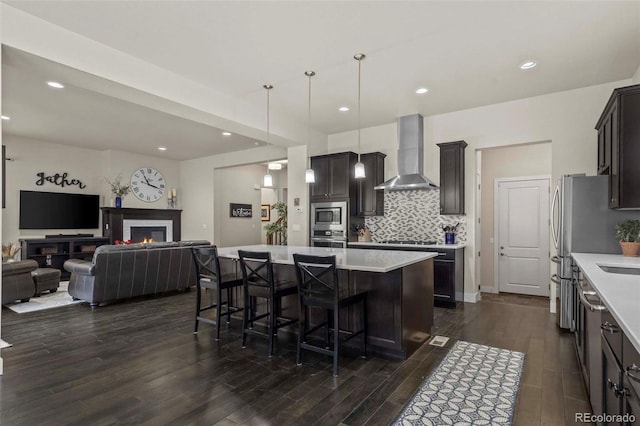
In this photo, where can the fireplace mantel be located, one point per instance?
(113, 218)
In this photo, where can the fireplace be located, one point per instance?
(138, 224)
(139, 230)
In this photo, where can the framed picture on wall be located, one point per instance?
(265, 212)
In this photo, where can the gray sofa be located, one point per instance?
(17, 283)
(124, 271)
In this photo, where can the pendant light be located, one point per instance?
(359, 169)
(309, 174)
(267, 180)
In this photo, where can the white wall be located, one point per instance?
(298, 220)
(87, 165)
(636, 77)
(567, 119)
(238, 185)
(503, 162)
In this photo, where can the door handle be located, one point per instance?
(555, 233)
(501, 254)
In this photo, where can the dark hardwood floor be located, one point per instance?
(139, 363)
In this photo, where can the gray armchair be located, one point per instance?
(17, 283)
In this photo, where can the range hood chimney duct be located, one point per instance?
(410, 157)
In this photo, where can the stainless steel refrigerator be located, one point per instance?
(581, 223)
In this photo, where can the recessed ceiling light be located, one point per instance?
(256, 143)
(527, 65)
(55, 84)
(275, 166)
(226, 134)
(6, 117)
(343, 109)
(162, 148)
(422, 90)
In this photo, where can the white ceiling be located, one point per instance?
(466, 53)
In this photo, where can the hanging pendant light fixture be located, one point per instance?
(359, 169)
(309, 174)
(267, 180)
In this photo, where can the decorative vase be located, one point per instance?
(449, 238)
(629, 249)
(118, 202)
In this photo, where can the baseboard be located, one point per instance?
(488, 289)
(472, 297)
(552, 306)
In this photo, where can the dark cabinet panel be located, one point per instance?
(333, 176)
(618, 148)
(320, 166)
(452, 177)
(444, 280)
(371, 201)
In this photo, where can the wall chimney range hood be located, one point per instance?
(410, 157)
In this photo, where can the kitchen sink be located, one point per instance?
(620, 270)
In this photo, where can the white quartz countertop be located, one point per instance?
(432, 246)
(351, 259)
(620, 293)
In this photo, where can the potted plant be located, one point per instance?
(9, 252)
(278, 229)
(118, 189)
(450, 233)
(628, 234)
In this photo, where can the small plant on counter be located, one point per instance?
(628, 234)
(628, 231)
(361, 229)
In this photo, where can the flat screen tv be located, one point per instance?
(58, 210)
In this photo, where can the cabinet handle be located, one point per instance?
(594, 308)
(607, 326)
(635, 369)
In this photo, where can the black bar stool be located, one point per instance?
(257, 275)
(209, 276)
(318, 287)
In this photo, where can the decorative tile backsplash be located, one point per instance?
(414, 215)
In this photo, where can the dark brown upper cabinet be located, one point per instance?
(370, 201)
(619, 147)
(334, 176)
(452, 177)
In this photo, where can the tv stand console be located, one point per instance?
(53, 252)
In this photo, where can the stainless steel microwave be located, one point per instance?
(329, 216)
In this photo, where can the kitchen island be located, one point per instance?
(399, 286)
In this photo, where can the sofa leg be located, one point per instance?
(53, 290)
(75, 298)
(25, 300)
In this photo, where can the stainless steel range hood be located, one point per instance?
(410, 157)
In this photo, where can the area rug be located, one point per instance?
(473, 385)
(46, 301)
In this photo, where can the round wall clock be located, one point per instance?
(147, 184)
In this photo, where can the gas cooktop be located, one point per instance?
(418, 243)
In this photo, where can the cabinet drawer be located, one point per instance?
(612, 334)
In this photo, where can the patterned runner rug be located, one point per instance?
(473, 385)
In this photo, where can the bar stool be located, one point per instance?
(318, 287)
(258, 279)
(209, 276)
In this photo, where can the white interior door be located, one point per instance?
(523, 236)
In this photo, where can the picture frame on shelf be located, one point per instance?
(265, 213)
